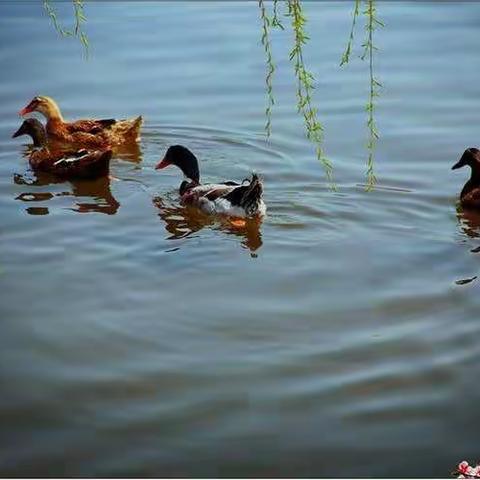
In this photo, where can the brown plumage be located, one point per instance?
(86, 133)
(65, 163)
(470, 194)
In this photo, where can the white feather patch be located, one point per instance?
(70, 159)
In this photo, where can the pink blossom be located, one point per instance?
(470, 471)
(476, 471)
(464, 470)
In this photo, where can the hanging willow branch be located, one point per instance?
(368, 52)
(52, 13)
(305, 86)
(276, 22)
(266, 22)
(80, 19)
(371, 23)
(348, 49)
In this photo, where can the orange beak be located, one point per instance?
(28, 109)
(162, 164)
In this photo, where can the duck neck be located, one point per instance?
(475, 176)
(191, 171)
(473, 182)
(39, 139)
(53, 114)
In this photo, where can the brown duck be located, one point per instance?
(86, 133)
(470, 194)
(65, 163)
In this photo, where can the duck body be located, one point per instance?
(63, 162)
(243, 200)
(72, 164)
(229, 198)
(87, 133)
(470, 194)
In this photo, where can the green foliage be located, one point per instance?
(369, 48)
(371, 24)
(266, 23)
(276, 22)
(305, 86)
(348, 49)
(305, 79)
(79, 18)
(52, 13)
(269, 22)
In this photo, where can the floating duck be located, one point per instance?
(81, 163)
(227, 198)
(87, 133)
(470, 194)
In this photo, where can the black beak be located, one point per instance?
(459, 164)
(465, 159)
(20, 131)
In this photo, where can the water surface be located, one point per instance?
(138, 339)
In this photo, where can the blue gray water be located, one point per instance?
(137, 339)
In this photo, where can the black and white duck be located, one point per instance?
(241, 200)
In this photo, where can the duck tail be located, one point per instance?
(253, 194)
(248, 197)
(134, 130)
(137, 123)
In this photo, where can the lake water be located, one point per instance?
(137, 339)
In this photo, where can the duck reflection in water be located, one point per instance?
(129, 152)
(469, 221)
(90, 195)
(183, 221)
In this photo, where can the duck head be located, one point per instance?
(44, 105)
(184, 159)
(470, 157)
(34, 129)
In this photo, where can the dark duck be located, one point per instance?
(242, 200)
(470, 194)
(65, 163)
